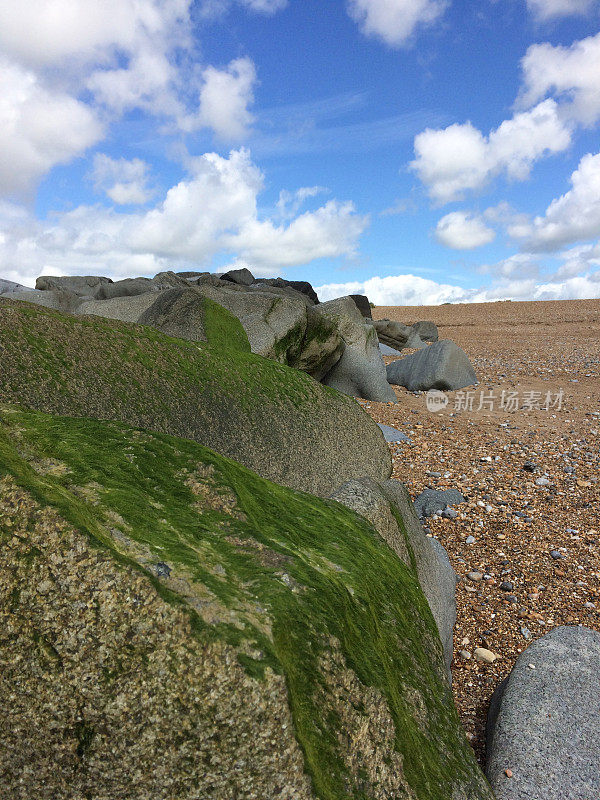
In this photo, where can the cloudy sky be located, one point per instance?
(420, 151)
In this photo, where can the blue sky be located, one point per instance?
(420, 151)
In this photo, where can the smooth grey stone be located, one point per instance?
(442, 365)
(360, 372)
(432, 500)
(243, 277)
(426, 330)
(386, 350)
(393, 434)
(544, 723)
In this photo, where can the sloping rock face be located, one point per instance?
(426, 330)
(273, 419)
(9, 286)
(388, 507)
(544, 721)
(442, 365)
(360, 372)
(176, 626)
(398, 336)
(82, 285)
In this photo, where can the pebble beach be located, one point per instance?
(522, 446)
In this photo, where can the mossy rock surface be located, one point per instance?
(175, 626)
(276, 420)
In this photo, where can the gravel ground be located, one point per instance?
(526, 543)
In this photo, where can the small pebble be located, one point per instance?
(506, 586)
(508, 773)
(465, 654)
(470, 540)
(556, 555)
(474, 576)
(485, 655)
(526, 633)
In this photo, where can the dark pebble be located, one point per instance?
(506, 586)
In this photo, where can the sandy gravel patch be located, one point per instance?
(532, 536)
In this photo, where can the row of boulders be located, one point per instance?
(336, 342)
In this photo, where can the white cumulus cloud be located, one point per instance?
(463, 231)
(224, 99)
(459, 158)
(571, 73)
(394, 21)
(550, 9)
(575, 216)
(39, 128)
(125, 182)
(214, 211)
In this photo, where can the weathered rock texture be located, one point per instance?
(176, 627)
(544, 721)
(273, 419)
(388, 507)
(360, 371)
(398, 336)
(442, 365)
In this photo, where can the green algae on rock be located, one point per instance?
(176, 626)
(274, 419)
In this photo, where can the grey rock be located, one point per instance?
(386, 350)
(506, 586)
(449, 513)
(360, 372)
(556, 555)
(320, 348)
(363, 305)
(366, 497)
(427, 331)
(398, 336)
(383, 504)
(177, 312)
(470, 540)
(274, 323)
(393, 434)
(442, 365)
(82, 285)
(6, 286)
(129, 287)
(435, 573)
(243, 277)
(432, 500)
(302, 287)
(544, 723)
(55, 299)
(126, 309)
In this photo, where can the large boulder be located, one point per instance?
(426, 330)
(275, 324)
(129, 287)
(360, 372)
(363, 305)
(275, 420)
(175, 626)
(83, 285)
(6, 286)
(544, 721)
(398, 336)
(442, 365)
(243, 277)
(125, 309)
(303, 287)
(56, 299)
(320, 348)
(388, 507)
(186, 313)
